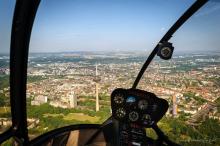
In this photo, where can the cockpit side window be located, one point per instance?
(6, 16)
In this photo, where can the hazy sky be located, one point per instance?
(106, 25)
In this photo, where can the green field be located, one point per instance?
(81, 117)
(74, 117)
(5, 110)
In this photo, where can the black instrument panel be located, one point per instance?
(137, 106)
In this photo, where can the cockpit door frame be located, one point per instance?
(24, 14)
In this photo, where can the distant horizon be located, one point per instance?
(120, 51)
(96, 25)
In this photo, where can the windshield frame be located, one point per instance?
(24, 15)
(188, 13)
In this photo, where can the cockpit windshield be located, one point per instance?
(80, 51)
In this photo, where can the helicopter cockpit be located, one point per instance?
(133, 111)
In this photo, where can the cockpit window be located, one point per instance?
(80, 51)
(6, 15)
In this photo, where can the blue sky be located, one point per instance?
(112, 25)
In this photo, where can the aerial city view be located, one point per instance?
(63, 89)
(79, 52)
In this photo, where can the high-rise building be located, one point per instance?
(72, 100)
(38, 100)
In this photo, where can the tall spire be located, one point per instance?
(97, 79)
(174, 105)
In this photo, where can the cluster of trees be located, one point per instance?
(53, 122)
(208, 133)
(4, 81)
(31, 79)
(191, 95)
(218, 104)
(4, 101)
(88, 103)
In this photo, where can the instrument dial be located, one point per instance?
(143, 104)
(120, 113)
(133, 116)
(119, 98)
(147, 119)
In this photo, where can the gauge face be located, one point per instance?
(119, 98)
(165, 51)
(120, 113)
(143, 104)
(147, 119)
(133, 116)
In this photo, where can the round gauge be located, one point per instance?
(147, 119)
(165, 51)
(143, 104)
(133, 116)
(119, 98)
(120, 113)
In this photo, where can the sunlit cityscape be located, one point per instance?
(61, 87)
(79, 52)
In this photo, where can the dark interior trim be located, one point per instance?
(45, 137)
(24, 14)
(6, 135)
